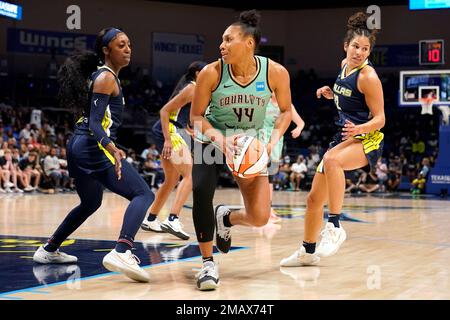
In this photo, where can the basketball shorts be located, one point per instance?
(86, 156)
(373, 143)
(177, 140)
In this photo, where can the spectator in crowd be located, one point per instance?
(151, 149)
(31, 168)
(394, 173)
(25, 132)
(43, 151)
(418, 184)
(369, 182)
(132, 159)
(298, 170)
(9, 171)
(52, 169)
(281, 178)
(152, 169)
(425, 167)
(382, 173)
(352, 180)
(21, 177)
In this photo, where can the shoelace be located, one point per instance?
(224, 234)
(178, 225)
(328, 235)
(132, 256)
(206, 270)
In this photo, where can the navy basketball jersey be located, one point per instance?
(349, 101)
(113, 114)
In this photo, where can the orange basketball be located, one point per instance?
(251, 160)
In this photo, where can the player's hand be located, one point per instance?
(350, 130)
(324, 91)
(232, 146)
(119, 155)
(167, 149)
(296, 132)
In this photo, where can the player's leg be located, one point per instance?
(134, 188)
(256, 195)
(90, 192)
(171, 178)
(348, 155)
(182, 163)
(204, 181)
(315, 201)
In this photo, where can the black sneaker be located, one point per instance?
(223, 234)
(208, 277)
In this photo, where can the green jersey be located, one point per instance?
(237, 107)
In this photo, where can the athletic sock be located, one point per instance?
(334, 218)
(207, 259)
(172, 216)
(151, 217)
(309, 247)
(226, 220)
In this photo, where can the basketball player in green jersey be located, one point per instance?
(272, 114)
(358, 96)
(235, 90)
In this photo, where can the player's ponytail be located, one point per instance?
(357, 26)
(73, 80)
(188, 76)
(249, 23)
(73, 75)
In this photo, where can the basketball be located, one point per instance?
(252, 158)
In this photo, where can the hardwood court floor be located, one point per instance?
(397, 248)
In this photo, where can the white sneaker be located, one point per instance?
(300, 258)
(174, 227)
(332, 239)
(154, 226)
(43, 256)
(208, 277)
(17, 190)
(28, 189)
(9, 184)
(2, 190)
(126, 263)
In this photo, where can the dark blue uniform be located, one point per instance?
(352, 106)
(93, 168)
(87, 155)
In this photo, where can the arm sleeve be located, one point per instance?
(99, 102)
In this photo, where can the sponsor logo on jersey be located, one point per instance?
(260, 86)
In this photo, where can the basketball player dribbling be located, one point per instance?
(358, 96)
(235, 90)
